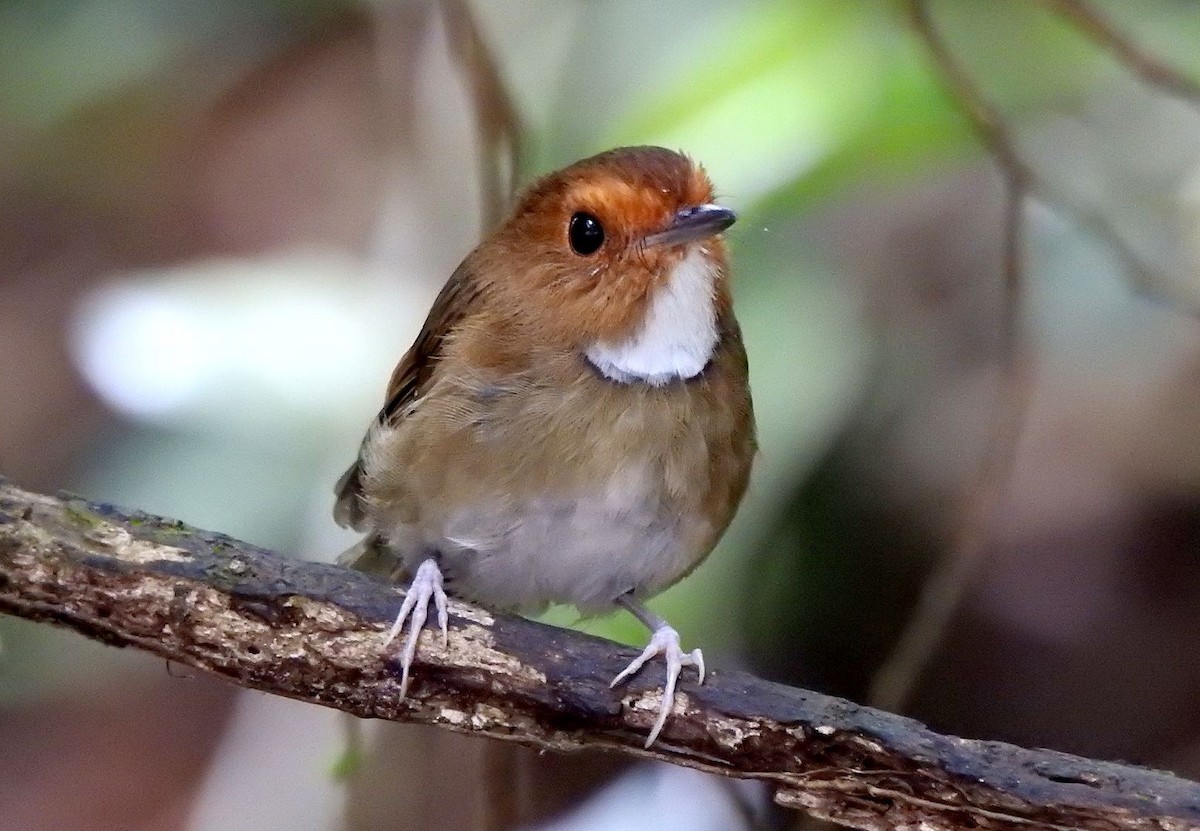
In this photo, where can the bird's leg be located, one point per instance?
(426, 585)
(664, 640)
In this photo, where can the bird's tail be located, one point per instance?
(372, 556)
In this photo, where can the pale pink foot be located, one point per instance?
(426, 585)
(665, 642)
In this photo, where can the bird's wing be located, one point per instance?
(409, 381)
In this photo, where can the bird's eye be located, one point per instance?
(585, 233)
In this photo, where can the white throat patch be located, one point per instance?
(679, 334)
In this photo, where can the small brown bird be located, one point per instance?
(573, 423)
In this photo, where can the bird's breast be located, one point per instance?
(585, 547)
(557, 485)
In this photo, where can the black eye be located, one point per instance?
(585, 233)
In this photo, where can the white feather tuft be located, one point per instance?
(679, 334)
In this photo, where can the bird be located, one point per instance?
(573, 423)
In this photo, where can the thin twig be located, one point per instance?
(315, 632)
(943, 592)
(1152, 71)
(1144, 277)
(1101, 31)
(496, 116)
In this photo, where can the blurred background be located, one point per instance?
(222, 223)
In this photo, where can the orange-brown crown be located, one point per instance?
(530, 263)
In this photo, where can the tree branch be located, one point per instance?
(958, 569)
(313, 632)
(1097, 28)
(497, 120)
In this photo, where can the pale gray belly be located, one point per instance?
(583, 550)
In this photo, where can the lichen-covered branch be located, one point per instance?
(314, 632)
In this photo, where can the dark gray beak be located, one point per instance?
(694, 223)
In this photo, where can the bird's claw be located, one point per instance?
(426, 585)
(665, 642)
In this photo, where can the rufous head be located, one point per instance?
(597, 252)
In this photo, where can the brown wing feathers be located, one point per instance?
(408, 382)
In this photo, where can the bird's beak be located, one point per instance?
(694, 223)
